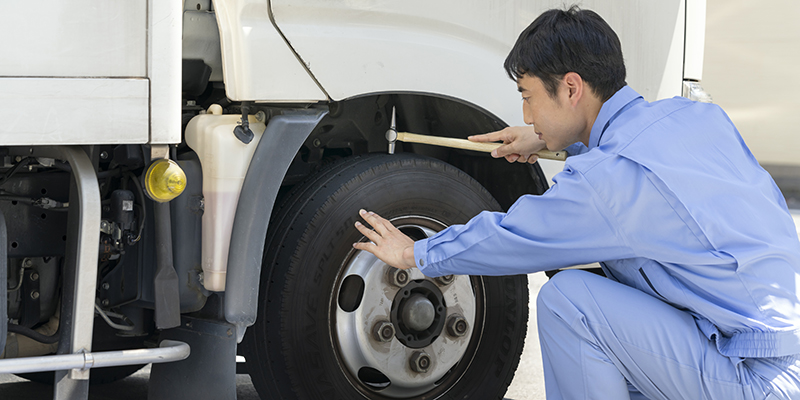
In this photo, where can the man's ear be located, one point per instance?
(575, 87)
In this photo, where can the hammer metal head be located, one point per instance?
(391, 134)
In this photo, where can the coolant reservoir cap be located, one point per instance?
(164, 180)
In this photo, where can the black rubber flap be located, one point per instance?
(3, 279)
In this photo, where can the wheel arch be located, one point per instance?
(358, 125)
(299, 141)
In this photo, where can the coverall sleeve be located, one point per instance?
(568, 225)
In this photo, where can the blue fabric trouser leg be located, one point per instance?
(603, 340)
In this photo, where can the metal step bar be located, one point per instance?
(169, 350)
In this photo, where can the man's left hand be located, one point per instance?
(387, 242)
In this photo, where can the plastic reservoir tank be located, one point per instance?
(224, 160)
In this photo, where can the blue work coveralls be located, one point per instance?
(701, 253)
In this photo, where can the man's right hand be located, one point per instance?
(519, 143)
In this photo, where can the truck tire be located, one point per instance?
(337, 323)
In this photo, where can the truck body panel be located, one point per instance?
(50, 111)
(257, 62)
(91, 72)
(355, 48)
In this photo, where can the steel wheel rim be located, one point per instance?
(386, 367)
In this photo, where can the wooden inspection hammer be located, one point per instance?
(392, 135)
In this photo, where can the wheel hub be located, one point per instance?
(419, 313)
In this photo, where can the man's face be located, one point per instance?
(555, 120)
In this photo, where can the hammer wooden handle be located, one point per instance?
(468, 145)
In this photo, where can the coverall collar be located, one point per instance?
(619, 102)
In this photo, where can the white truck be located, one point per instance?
(180, 182)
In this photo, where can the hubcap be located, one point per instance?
(421, 353)
(418, 313)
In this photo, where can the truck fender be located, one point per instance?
(282, 139)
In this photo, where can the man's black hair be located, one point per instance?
(573, 40)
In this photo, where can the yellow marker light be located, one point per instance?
(164, 180)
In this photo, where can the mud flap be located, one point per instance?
(3, 278)
(210, 370)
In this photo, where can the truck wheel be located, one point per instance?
(336, 323)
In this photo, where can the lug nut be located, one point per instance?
(446, 280)
(457, 326)
(383, 331)
(34, 276)
(420, 362)
(398, 277)
(34, 295)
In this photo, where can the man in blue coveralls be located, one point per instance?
(700, 252)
